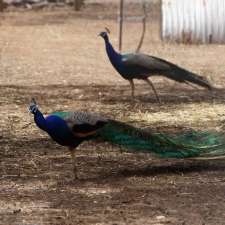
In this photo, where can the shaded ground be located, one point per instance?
(64, 66)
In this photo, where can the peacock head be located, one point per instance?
(104, 34)
(33, 106)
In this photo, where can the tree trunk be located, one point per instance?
(78, 4)
(2, 6)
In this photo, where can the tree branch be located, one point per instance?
(143, 27)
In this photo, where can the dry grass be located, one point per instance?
(58, 58)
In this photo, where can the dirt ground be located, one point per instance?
(57, 58)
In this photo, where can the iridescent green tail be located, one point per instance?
(190, 144)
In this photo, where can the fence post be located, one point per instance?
(121, 24)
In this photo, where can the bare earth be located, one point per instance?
(57, 58)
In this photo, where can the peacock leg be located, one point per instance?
(153, 88)
(132, 88)
(72, 152)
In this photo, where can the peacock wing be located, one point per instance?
(83, 124)
(146, 61)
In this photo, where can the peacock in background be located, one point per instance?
(141, 66)
(72, 128)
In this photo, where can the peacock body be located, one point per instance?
(142, 66)
(72, 128)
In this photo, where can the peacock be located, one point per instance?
(141, 66)
(72, 128)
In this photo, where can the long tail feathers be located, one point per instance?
(182, 75)
(190, 144)
(199, 80)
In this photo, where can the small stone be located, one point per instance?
(160, 217)
(16, 211)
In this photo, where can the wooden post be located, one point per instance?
(121, 25)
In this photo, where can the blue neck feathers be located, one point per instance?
(40, 121)
(115, 58)
(56, 128)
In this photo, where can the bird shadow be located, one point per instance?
(177, 169)
(107, 170)
(110, 94)
(175, 96)
(172, 169)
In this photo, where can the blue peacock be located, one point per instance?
(141, 66)
(72, 128)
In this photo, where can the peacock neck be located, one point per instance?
(40, 120)
(114, 57)
(56, 128)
